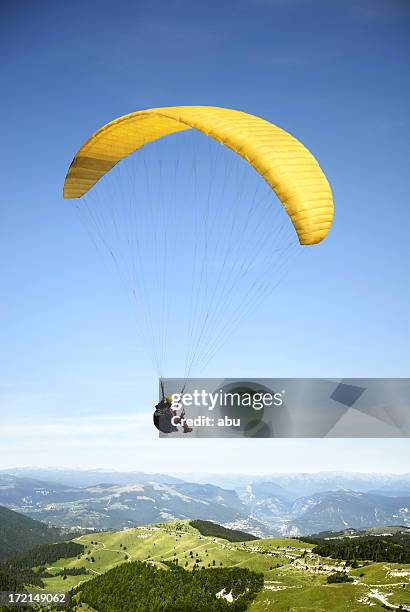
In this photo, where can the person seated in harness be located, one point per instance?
(166, 418)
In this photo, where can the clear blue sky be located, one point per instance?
(333, 73)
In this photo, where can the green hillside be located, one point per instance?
(295, 578)
(19, 533)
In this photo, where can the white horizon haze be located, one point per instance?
(133, 443)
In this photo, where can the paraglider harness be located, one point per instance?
(164, 414)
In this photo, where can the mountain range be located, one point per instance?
(291, 505)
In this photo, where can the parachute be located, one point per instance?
(288, 169)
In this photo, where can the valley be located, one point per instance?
(263, 507)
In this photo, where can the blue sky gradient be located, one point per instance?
(332, 73)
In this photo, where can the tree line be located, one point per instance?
(364, 549)
(139, 586)
(20, 567)
(207, 528)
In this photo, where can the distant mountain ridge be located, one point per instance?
(305, 484)
(262, 507)
(107, 506)
(341, 509)
(88, 478)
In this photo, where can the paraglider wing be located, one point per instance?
(285, 164)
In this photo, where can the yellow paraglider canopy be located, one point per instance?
(285, 164)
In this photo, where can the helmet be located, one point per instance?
(169, 399)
